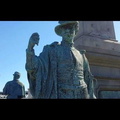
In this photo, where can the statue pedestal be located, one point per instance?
(104, 59)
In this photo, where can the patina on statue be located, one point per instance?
(60, 71)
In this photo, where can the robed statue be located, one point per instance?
(60, 71)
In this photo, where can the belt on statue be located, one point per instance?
(72, 87)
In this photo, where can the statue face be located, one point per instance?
(69, 32)
(16, 75)
(69, 35)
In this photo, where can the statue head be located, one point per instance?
(64, 25)
(16, 75)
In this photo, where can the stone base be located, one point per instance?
(104, 60)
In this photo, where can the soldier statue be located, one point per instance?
(60, 71)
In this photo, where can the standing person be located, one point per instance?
(14, 89)
(60, 71)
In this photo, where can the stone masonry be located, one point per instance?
(103, 53)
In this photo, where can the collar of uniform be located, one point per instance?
(15, 80)
(66, 44)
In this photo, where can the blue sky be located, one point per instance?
(14, 37)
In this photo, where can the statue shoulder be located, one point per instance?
(54, 44)
(82, 51)
(20, 83)
(50, 46)
(9, 83)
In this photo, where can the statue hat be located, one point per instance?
(63, 25)
(16, 73)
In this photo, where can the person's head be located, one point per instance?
(67, 30)
(16, 75)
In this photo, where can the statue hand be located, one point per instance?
(34, 40)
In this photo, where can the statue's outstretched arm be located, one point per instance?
(31, 58)
(32, 61)
(34, 40)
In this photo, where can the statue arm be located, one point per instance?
(31, 58)
(31, 68)
(31, 61)
(5, 89)
(89, 78)
(31, 65)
